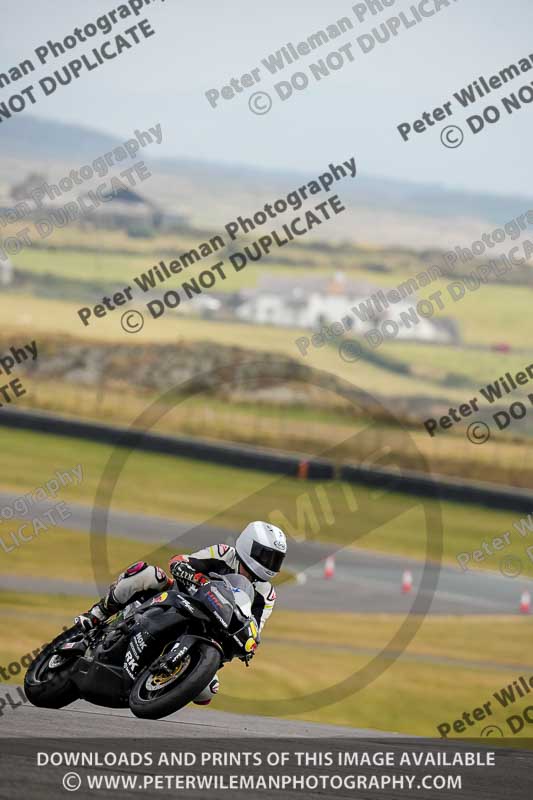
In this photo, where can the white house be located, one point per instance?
(314, 302)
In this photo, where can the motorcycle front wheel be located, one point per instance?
(157, 695)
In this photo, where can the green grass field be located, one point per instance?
(67, 555)
(453, 665)
(323, 423)
(74, 256)
(437, 370)
(474, 368)
(448, 374)
(346, 256)
(494, 313)
(432, 363)
(195, 491)
(82, 265)
(111, 269)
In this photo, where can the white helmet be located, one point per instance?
(262, 547)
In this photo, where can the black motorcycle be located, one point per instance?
(154, 656)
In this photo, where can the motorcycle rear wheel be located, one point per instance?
(48, 688)
(153, 697)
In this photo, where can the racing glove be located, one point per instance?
(92, 618)
(87, 621)
(185, 573)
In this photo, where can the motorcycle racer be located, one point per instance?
(258, 554)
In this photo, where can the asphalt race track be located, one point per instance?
(88, 729)
(82, 719)
(364, 582)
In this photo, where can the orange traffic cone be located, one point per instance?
(329, 568)
(407, 582)
(525, 603)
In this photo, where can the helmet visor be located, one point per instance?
(268, 558)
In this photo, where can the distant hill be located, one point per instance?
(27, 136)
(369, 192)
(391, 212)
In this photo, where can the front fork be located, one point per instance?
(146, 637)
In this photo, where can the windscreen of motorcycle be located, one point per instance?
(243, 592)
(218, 597)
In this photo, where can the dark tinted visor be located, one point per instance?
(268, 558)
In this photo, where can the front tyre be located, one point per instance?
(154, 696)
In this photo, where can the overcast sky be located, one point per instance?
(199, 46)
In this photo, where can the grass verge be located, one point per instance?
(304, 653)
(304, 430)
(226, 497)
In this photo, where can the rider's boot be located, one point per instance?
(207, 694)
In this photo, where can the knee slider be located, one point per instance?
(135, 569)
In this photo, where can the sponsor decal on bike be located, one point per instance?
(250, 645)
(130, 665)
(219, 618)
(187, 605)
(213, 599)
(160, 598)
(220, 596)
(138, 644)
(179, 655)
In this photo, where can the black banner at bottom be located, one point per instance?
(264, 768)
